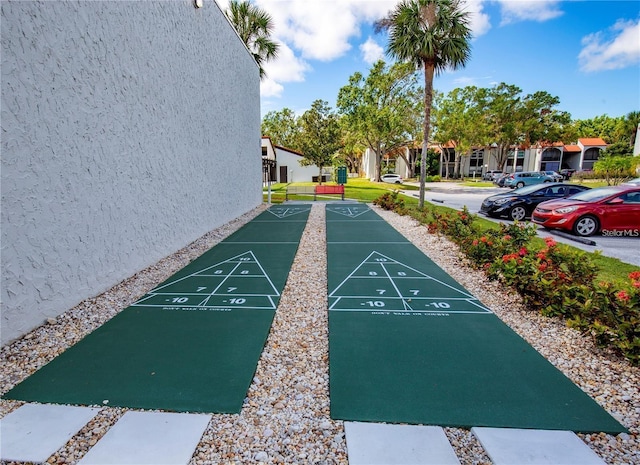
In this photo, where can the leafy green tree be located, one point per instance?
(629, 127)
(515, 121)
(433, 35)
(254, 26)
(615, 169)
(350, 154)
(503, 105)
(283, 127)
(541, 121)
(382, 110)
(606, 127)
(321, 136)
(458, 119)
(618, 149)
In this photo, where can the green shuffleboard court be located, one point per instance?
(192, 343)
(408, 344)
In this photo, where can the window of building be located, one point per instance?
(590, 157)
(476, 161)
(551, 159)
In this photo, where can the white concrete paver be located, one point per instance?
(383, 444)
(152, 438)
(34, 432)
(506, 446)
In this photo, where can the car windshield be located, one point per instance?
(527, 189)
(593, 195)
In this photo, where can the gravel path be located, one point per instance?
(286, 414)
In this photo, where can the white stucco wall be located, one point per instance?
(129, 129)
(295, 171)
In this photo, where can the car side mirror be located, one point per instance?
(616, 201)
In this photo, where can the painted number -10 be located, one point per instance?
(374, 303)
(439, 305)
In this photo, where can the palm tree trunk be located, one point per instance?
(429, 71)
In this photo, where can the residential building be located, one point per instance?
(284, 165)
(542, 157)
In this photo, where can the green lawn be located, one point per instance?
(359, 189)
(363, 190)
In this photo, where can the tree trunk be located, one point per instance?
(429, 71)
(378, 163)
(456, 165)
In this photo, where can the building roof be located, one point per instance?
(592, 141)
(572, 148)
(289, 150)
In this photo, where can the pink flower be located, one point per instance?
(509, 257)
(523, 251)
(550, 241)
(623, 296)
(475, 242)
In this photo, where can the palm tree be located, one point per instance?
(254, 26)
(431, 34)
(630, 126)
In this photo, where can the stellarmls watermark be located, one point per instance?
(621, 233)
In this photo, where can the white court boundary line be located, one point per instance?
(350, 213)
(237, 261)
(287, 211)
(385, 260)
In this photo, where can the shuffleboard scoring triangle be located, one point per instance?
(284, 212)
(351, 211)
(238, 282)
(380, 282)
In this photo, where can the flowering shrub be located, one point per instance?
(457, 226)
(611, 315)
(391, 201)
(546, 279)
(556, 280)
(497, 243)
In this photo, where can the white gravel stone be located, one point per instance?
(285, 418)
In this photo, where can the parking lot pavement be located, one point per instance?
(452, 195)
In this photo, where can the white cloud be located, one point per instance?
(371, 51)
(616, 48)
(325, 30)
(321, 30)
(287, 67)
(270, 88)
(529, 10)
(479, 21)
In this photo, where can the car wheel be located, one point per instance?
(519, 185)
(547, 180)
(518, 213)
(586, 226)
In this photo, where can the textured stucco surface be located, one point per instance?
(129, 129)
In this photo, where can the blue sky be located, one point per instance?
(587, 53)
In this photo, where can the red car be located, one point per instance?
(604, 209)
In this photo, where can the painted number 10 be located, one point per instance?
(439, 305)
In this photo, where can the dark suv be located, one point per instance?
(567, 173)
